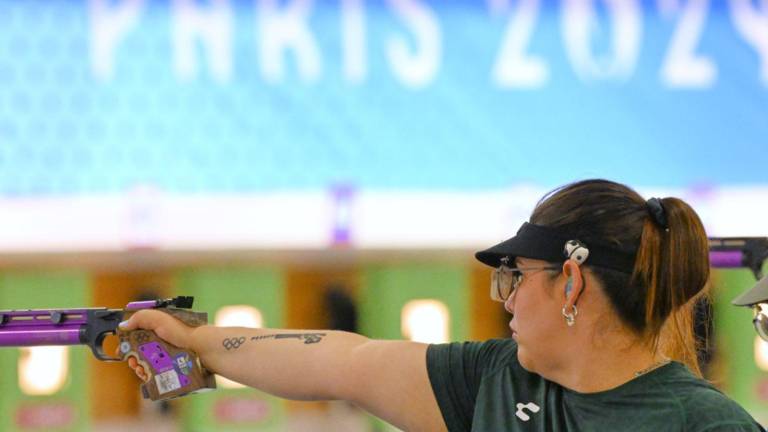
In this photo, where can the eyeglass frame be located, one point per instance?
(512, 277)
(760, 321)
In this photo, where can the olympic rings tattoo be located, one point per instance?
(233, 343)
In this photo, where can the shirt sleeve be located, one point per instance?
(455, 372)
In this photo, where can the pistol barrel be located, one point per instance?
(36, 336)
(42, 327)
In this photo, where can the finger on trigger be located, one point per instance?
(132, 323)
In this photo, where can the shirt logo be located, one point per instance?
(522, 415)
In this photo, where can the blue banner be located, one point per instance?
(230, 96)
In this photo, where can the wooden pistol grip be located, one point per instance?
(172, 371)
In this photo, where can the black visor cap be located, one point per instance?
(531, 241)
(548, 244)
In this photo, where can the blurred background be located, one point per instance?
(334, 164)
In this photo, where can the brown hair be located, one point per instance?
(671, 269)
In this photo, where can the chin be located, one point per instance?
(524, 359)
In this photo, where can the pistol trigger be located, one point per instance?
(98, 348)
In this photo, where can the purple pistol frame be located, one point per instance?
(172, 371)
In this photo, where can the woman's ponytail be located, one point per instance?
(673, 264)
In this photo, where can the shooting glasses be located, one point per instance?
(505, 280)
(761, 320)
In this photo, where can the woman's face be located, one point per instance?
(537, 322)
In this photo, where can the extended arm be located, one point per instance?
(387, 378)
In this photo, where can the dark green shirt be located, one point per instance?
(480, 386)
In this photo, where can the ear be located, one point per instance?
(574, 283)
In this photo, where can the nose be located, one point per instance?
(509, 303)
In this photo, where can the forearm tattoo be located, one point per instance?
(233, 343)
(309, 338)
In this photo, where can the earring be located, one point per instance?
(570, 318)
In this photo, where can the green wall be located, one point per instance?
(387, 288)
(262, 288)
(31, 290)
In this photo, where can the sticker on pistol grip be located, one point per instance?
(184, 364)
(167, 381)
(156, 356)
(167, 377)
(125, 347)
